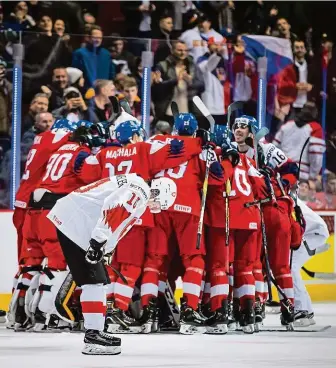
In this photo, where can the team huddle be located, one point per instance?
(107, 222)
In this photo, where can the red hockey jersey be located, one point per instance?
(59, 176)
(189, 178)
(44, 145)
(244, 180)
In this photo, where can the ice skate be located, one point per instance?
(287, 319)
(150, 318)
(247, 318)
(22, 322)
(101, 343)
(218, 322)
(234, 315)
(301, 319)
(119, 322)
(191, 322)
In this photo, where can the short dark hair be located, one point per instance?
(95, 28)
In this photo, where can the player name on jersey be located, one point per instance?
(122, 152)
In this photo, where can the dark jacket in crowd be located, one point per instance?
(162, 93)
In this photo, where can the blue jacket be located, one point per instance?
(95, 63)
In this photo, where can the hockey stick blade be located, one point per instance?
(205, 112)
(125, 105)
(319, 275)
(237, 105)
(174, 109)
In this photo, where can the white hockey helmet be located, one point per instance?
(163, 190)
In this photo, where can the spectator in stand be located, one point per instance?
(179, 80)
(75, 108)
(130, 93)
(259, 18)
(121, 58)
(101, 109)
(292, 136)
(303, 192)
(44, 47)
(244, 73)
(139, 15)
(284, 30)
(39, 103)
(304, 77)
(6, 88)
(20, 20)
(43, 122)
(217, 86)
(55, 90)
(222, 14)
(163, 35)
(326, 200)
(196, 38)
(59, 27)
(94, 60)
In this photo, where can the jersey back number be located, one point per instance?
(57, 165)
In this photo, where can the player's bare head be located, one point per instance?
(163, 127)
(43, 122)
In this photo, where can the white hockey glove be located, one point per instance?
(95, 252)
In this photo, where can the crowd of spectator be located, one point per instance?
(74, 63)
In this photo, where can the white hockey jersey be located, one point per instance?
(316, 232)
(103, 210)
(291, 139)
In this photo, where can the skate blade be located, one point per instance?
(93, 349)
(304, 329)
(117, 329)
(219, 329)
(290, 327)
(192, 330)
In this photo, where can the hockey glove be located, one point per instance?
(205, 137)
(229, 152)
(95, 252)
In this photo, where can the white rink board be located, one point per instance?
(263, 350)
(8, 251)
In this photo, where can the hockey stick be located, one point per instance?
(169, 296)
(320, 275)
(125, 105)
(237, 105)
(206, 113)
(227, 224)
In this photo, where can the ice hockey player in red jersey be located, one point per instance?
(281, 174)
(180, 216)
(129, 154)
(243, 225)
(44, 144)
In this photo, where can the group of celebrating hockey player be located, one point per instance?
(107, 222)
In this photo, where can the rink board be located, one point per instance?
(320, 290)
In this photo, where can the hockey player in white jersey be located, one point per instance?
(90, 221)
(315, 236)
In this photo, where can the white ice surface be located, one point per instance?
(266, 349)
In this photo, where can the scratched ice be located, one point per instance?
(266, 349)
